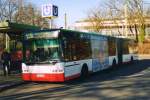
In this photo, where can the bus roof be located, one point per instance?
(50, 30)
(74, 31)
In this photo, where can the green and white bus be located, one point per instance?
(58, 55)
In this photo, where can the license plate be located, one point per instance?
(40, 75)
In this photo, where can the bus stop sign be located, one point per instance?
(49, 11)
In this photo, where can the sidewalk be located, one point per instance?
(9, 81)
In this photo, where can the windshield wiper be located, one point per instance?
(49, 61)
(30, 63)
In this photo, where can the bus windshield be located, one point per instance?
(42, 50)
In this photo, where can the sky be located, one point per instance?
(75, 9)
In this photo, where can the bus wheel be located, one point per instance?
(114, 63)
(84, 71)
(132, 59)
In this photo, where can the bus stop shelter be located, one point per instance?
(15, 29)
(12, 35)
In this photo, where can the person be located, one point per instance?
(6, 62)
(19, 57)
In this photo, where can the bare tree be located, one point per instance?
(29, 15)
(115, 10)
(96, 18)
(7, 9)
(137, 19)
(21, 12)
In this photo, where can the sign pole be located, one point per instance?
(49, 11)
(50, 23)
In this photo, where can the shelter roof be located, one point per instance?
(15, 28)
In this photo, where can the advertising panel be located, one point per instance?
(99, 54)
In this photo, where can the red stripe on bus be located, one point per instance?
(48, 77)
(26, 77)
(72, 77)
(44, 77)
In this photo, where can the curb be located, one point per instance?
(9, 86)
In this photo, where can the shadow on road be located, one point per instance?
(124, 78)
(115, 73)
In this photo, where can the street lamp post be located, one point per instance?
(65, 21)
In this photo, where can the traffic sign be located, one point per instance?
(55, 11)
(49, 11)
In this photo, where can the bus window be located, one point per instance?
(112, 47)
(133, 47)
(125, 47)
(42, 50)
(76, 49)
(84, 50)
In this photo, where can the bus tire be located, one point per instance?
(114, 63)
(132, 60)
(84, 71)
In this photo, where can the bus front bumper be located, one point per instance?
(58, 77)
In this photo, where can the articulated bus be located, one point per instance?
(58, 55)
